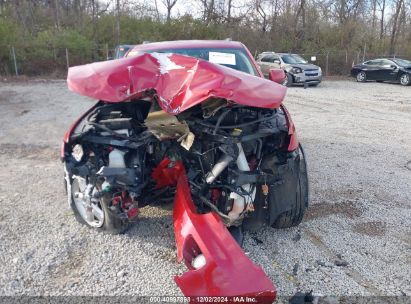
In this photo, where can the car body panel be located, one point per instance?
(180, 82)
(310, 73)
(111, 81)
(383, 69)
(228, 272)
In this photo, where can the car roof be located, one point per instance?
(183, 44)
(274, 53)
(125, 45)
(380, 59)
(287, 54)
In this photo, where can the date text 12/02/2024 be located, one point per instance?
(182, 299)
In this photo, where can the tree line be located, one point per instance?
(378, 26)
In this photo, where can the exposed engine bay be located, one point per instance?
(214, 141)
(116, 148)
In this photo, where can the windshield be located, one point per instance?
(233, 58)
(121, 51)
(402, 62)
(293, 58)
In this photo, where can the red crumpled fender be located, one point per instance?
(179, 82)
(228, 272)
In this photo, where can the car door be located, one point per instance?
(371, 69)
(265, 64)
(388, 70)
(276, 64)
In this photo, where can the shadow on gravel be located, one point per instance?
(31, 152)
(324, 209)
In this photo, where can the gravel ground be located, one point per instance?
(354, 240)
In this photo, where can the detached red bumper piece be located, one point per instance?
(227, 271)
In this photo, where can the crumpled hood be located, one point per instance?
(305, 66)
(179, 82)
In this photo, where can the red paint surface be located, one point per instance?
(277, 75)
(177, 89)
(166, 173)
(228, 271)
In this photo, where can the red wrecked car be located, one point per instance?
(196, 123)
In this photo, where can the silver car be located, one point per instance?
(297, 69)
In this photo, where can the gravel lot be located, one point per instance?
(357, 137)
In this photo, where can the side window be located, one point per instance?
(276, 59)
(372, 62)
(267, 58)
(386, 62)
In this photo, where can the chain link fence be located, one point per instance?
(48, 60)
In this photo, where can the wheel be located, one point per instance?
(405, 79)
(361, 77)
(288, 80)
(96, 214)
(295, 215)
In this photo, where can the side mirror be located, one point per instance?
(276, 75)
(277, 61)
(393, 66)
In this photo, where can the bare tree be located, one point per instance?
(169, 4)
(300, 31)
(229, 8)
(395, 25)
(56, 15)
(259, 7)
(208, 10)
(157, 11)
(117, 32)
(382, 10)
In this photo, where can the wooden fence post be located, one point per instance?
(67, 59)
(326, 64)
(13, 53)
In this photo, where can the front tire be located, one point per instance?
(405, 79)
(100, 217)
(294, 216)
(288, 80)
(361, 77)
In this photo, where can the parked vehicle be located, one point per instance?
(297, 69)
(383, 69)
(205, 131)
(121, 50)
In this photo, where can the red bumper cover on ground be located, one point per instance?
(228, 272)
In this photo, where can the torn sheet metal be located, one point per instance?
(227, 272)
(179, 82)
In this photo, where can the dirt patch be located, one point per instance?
(373, 228)
(68, 272)
(324, 209)
(6, 96)
(32, 152)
